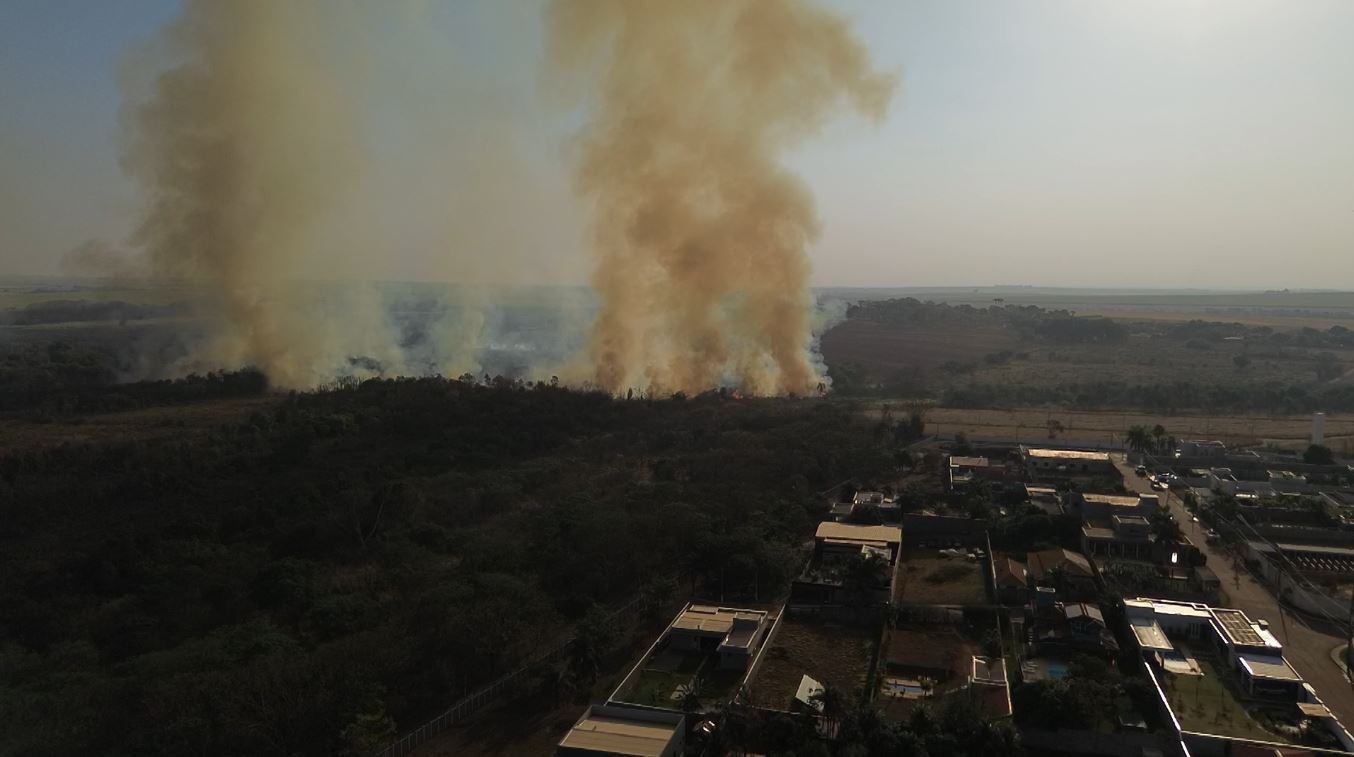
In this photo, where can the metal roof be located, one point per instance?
(1067, 454)
(1149, 634)
(858, 533)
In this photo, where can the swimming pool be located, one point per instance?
(1056, 670)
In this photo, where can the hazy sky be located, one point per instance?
(1200, 143)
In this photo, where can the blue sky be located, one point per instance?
(1167, 143)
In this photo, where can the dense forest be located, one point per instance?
(346, 562)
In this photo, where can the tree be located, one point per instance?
(1158, 437)
(1318, 454)
(689, 695)
(1242, 362)
(1055, 427)
(831, 704)
(1139, 440)
(1165, 528)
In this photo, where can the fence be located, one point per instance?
(481, 698)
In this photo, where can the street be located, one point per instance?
(1307, 649)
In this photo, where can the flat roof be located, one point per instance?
(1269, 668)
(714, 620)
(1237, 627)
(1169, 607)
(1149, 634)
(1314, 710)
(615, 733)
(858, 533)
(1133, 519)
(1115, 500)
(1067, 454)
(968, 462)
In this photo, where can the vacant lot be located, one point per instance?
(931, 579)
(832, 654)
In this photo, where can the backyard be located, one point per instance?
(667, 674)
(1206, 704)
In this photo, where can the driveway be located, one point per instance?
(1305, 647)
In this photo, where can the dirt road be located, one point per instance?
(1306, 648)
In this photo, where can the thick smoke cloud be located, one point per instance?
(241, 146)
(700, 233)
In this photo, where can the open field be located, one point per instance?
(168, 422)
(1107, 428)
(928, 578)
(834, 655)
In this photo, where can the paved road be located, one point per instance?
(1306, 648)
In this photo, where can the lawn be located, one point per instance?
(832, 654)
(1204, 704)
(927, 578)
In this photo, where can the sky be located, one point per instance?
(1152, 143)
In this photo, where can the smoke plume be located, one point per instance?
(240, 147)
(700, 233)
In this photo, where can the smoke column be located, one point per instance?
(239, 147)
(700, 234)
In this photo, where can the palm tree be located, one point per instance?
(1139, 440)
(831, 702)
(689, 695)
(1159, 436)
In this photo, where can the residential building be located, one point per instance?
(734, 634)
(850, 538)
(1011, 579)
(1051, 464)
(1052, 567)
(607, 730)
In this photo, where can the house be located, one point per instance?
(614, 730)
(734, 634)
(1061, 628)
(1012, 580)
(1050, 565)
(850, 538)
(963, 471)
(1051, 464)
(934, 652)
(1045, 498)
(1117, 526)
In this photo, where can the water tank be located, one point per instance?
(1318, 428)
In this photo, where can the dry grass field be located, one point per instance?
(168, 422)
(1109, 427)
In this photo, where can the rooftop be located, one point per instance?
(1149, 634)
(1073, 563)
(968, 462)
(716, 620)
(619, 730)
(1271, 668)
(1066, 454)
(1113, 500)
(1237, 628)
(850, 532)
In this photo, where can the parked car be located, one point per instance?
(1141, 470)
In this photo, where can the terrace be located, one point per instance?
(933, 578)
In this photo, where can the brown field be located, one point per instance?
(1109, 427)
(897, 348)
(928, 578)
(835, 655)
(173, 421)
